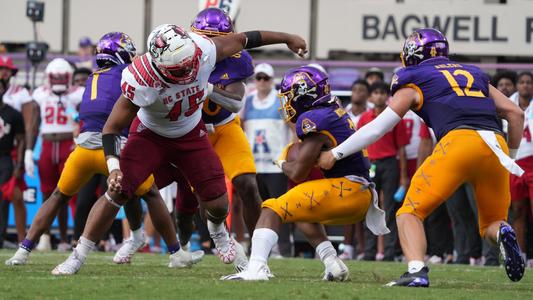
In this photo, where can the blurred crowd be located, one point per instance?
(451, 230)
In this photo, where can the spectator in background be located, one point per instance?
(80, 76)
(505, 82)
(19, 98)
(267, 134)
(86, 51)
(374, 75)
(389, 171)
(356, 108)
(11, 135)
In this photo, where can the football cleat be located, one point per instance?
(510, 252)
(44, 244)
(127, 250)
(181, 259)
(261, 275)
(70, 266)
(225, 246)
(241, 262)
(64, 247)
(20, 258)
(418, 279)
(336, 270)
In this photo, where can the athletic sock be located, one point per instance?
(263, 240)
(84, 247)
(138, 235)
(325, 250)
(27, 245)
(216, 228)
(174, 248)
(415, 266)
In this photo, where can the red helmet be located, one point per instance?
(7, 62)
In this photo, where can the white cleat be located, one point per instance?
(261, 275)
(336, 270)
(64, 247)
(181, 259)
(20, 258)
(70, 266)
(241, 262)
(225, 246)
(127, 250)
(44, 244)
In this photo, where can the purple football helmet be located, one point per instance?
(212, 22)
(114, 48)
(301, 89)
(423, 44)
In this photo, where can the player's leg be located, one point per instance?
(328, 201)
(434, 182)
(335, 269)
(493, 201)
(246, 186)
(20, 212)
(64, 149)
(137, 239)
(79, 168)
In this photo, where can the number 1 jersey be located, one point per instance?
(452, 95)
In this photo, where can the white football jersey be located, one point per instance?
(16, 96)
(170, 110)
(413, 125)
(526, 144)
(54, 108)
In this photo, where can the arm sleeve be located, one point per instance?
(228, 103)
(367, 134)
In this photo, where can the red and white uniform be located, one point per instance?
(170, 110)
(522, 187)
(54, 108)
(16, 96)
(416, 131)
(168, 137)
(55, 120)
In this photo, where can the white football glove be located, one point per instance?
(29, 165)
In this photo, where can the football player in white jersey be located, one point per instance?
(55, 98)
(162, 93)
(20, 99)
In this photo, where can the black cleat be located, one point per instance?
(418, 279)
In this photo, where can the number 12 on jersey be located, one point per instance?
(455, 85)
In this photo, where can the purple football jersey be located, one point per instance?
(336, 124)
(232, 69)
(101, 92)
(453, 95)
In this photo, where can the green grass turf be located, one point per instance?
(148, 277)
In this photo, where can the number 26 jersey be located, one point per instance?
(55, 109)
(451, 95)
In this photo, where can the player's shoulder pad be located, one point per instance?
(209, 50)
(40, 93)
(311, 121)
(400, 79)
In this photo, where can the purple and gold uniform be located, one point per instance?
(87, 159)
(228, 138)
(455, 103)
(343, 196)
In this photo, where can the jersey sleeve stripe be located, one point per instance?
(419, 91)
(151, 72)
(141, 68)
(133, 70)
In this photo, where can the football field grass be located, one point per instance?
(149, 278)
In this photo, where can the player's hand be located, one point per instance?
(326, 160)
(297, 45)
(114, 181)
(29, 165)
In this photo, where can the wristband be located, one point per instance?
(113, 164)
(210, 88)
(111, 143)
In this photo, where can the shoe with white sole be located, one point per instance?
(19, 258)
(225, 246)
(127, 250)
(336, 270)
(44, 244)
(247, 275)
(181, 259)
(241, 262)
(70, 266)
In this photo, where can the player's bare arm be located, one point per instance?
(310, 148)
(403, 100)
(230, 97)
(513, 114)
(19, 138)
(121, 116)
(228, 45)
